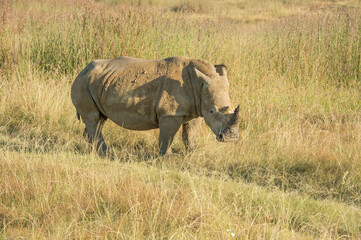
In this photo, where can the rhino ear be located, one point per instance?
(221, 69)
(207, 80)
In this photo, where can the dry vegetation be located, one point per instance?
(294, 67)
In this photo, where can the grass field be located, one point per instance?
(294, 68)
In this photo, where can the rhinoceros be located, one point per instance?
(140, 94)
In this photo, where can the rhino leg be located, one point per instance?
(189, 133)
(94, 122)
(89, 113)
(168, 127)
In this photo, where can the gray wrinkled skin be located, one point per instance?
(140, 94)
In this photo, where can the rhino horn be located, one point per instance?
(235, 118)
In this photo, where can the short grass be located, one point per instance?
(294, 68)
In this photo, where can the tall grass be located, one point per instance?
(295, 173)
(66, 196)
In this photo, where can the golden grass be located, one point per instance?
(294, 67)
(61, 196)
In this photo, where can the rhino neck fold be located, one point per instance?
(196, 92)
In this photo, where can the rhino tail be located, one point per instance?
(78, 115)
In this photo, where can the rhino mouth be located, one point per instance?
(224, 137)
(231, 132)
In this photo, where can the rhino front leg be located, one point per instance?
(168, 127)
(189, 133)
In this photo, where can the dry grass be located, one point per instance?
(67, 196)
(294, 67)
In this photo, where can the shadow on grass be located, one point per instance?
(321, 180)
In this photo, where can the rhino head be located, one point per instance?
(216, 106)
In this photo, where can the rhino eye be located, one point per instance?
(212, 110)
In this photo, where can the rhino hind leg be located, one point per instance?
(90, 114)
(168, 127)
(94, 122)
(189, 133)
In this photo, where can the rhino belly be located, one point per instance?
(132, 114)
(132, 121)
